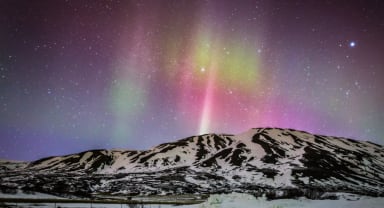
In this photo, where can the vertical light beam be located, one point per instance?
(208, 102)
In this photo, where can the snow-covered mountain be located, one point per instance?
(261, 160)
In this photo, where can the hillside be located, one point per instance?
(261, 160)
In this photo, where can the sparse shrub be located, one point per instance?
(8, 190)
(313, 193)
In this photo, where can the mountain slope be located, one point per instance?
(6, 165)
(258, 160)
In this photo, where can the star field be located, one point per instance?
(79, 75)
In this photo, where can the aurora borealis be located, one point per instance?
(78, 75)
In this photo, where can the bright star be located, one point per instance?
(352, 44)
(202, 69)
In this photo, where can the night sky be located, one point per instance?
(78, 75)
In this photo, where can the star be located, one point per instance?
(352, 44)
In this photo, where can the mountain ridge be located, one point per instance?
(259, 158)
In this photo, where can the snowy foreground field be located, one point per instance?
(233, 200)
